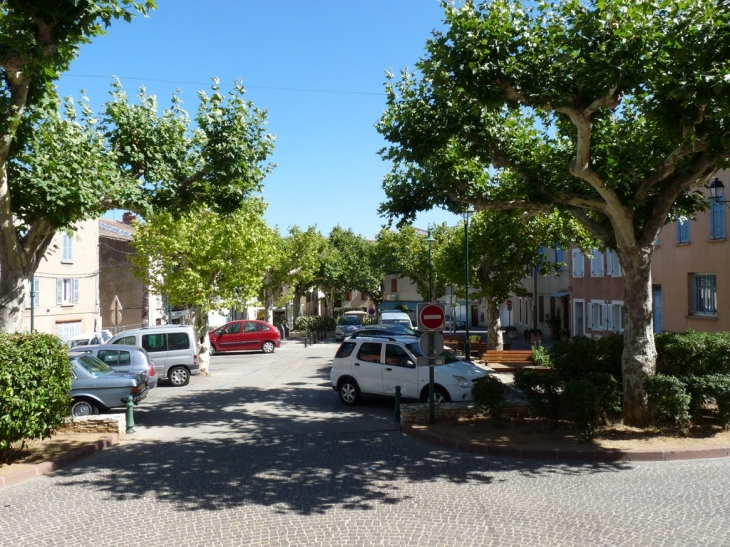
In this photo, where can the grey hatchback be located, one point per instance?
(122, 358)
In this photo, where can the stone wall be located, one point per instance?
(418, 413)
(106, 423)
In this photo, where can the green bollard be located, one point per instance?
(396, 417)
(130, 415)
(305, 339)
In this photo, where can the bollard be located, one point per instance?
(130, 415)
(396, 417)
(305, 339)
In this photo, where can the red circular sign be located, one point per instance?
(509, 302)
(431, 317)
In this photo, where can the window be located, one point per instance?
(541, 308)
(613, 266)
(36, 293)
(370, 351)
(396, 355)
(67, 291)
(178, 340)
(154, 342)
(597, 316)
(704, 294)
(68, 248)
(617, 316)
(233, 328)
(717, 220)
(66, 331)
(127, 341)
(560, 258)
(596, 263)
(578, 265)
(683, 230)
(249, 326)
(345, 350)
(394, 285)
(115, 358)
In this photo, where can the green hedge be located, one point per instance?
(489, 396)
(35, 378)
(693, 353)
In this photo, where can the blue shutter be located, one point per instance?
(717, 221)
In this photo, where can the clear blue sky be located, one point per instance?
(318, 67)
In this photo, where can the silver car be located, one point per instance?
(96, 386)
(122, 358)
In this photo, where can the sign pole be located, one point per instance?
(431, 402)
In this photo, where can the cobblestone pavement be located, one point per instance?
(272, 459)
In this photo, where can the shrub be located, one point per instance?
(542, 392)
(540, 356)
(582, 356)
(669, 399)
(693, 353)
(713, 386)
(35, 378)
(589, 399)
(489, 394)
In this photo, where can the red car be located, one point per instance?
(243, 335)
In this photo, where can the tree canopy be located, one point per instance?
(57, 168)
(613, 111)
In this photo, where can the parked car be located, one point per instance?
(392, 329)
(96, 386)
(346, 325)
(397, 317)
(89, 338)
(457, 323)
(245, 335)
(173, 349)
(127, 359)
(375, 365)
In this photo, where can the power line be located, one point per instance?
(177, 82)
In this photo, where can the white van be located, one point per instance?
(393, 316)
(173, 348)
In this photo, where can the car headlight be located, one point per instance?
(463, 382)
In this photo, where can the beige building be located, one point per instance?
(691, 271)
(66, 285)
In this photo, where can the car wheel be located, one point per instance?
(440, 395)
(179, 376)
(83, 407)
(349, 392)
(268, 347)
(212, 350)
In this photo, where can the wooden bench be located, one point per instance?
(509, 360)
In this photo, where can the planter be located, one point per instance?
(512, 333)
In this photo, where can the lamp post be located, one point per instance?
(430, 239)
(467, 343)
(431, 390)
(717, 192)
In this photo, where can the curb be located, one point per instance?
(598, 455)
(53, 465)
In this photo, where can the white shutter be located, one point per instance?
(59, 291)
(76, 290)
(606, 316)
(577, 263)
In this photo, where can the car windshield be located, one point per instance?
(92, 365)
(349, 320)
(74, 343)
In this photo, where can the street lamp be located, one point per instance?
(430, 239)
(717, 192)
(467, 343)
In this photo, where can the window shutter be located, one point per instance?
(605, 316)
(76, 290)
(577, 263)
(59, 291)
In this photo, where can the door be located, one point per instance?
(657, 308)
(578, 319)
(399, 370)
(251, 336)
(367, 367)
(230, 337)
(474, 321)
(156, 346)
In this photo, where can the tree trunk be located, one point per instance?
(12, 297)
(639, 354)
(269, 305)
(494, 326)
(200, 325)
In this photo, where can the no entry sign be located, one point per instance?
(431, 317)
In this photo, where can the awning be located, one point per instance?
(559, 294)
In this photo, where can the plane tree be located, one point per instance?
(61, 163)
(615, 112)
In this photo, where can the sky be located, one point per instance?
(317, 67)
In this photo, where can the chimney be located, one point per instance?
(128, 217)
